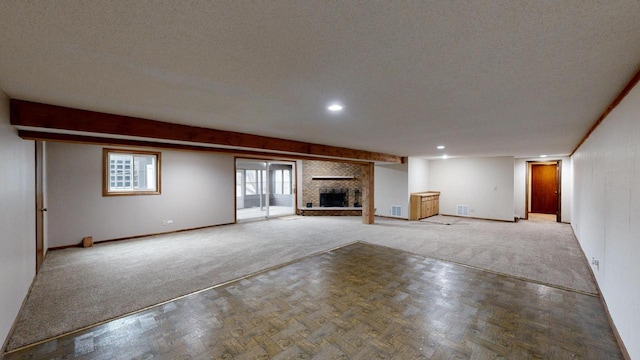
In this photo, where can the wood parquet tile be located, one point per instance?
(361, 301)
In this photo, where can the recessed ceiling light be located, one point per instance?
(440, 147)
(543, 155)
(335, 107)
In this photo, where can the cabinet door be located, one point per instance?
(424, 210)
(436, 206)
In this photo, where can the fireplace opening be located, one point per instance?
(334, 197)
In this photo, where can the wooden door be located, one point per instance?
(40, 210)
(544, 189)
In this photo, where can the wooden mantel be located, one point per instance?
(331, 177)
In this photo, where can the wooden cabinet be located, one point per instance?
(424, 204)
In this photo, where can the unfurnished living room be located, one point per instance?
(318, 179)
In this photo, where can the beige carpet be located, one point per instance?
(444, 220)
(81, 287)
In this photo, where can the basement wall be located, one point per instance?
(17, 219)
(606, 212)
(418, 175)
(485, 184)
(391, 188)
(198, 189)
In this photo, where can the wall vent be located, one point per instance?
(462, 210)
(396, 210)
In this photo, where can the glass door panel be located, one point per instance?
(264, 188)
(251, 189)
(282, 195)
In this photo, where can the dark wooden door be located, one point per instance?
(544, 189)
(39, 206)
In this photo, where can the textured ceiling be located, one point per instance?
(484, 78)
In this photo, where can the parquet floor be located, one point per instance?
(361, 301)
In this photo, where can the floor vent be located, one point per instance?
(462, 210)
(396, 210)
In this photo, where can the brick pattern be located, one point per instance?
(311, 188)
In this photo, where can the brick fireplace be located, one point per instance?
(331, 184)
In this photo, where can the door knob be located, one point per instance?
(43, 209)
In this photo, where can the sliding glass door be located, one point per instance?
(281, 188)
(264, 188)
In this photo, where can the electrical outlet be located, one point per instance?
(595, 262)
(169, 222)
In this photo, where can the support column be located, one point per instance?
(368, 209)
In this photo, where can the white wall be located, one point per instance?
(17, 219)
(485, 184)
(198, 189)
(418, 175)
(391, 187)
(520, 173)
(606, 212)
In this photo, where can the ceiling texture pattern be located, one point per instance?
(484, 78)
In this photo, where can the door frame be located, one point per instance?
(268, 161)
(527, 195)
(40, 208)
